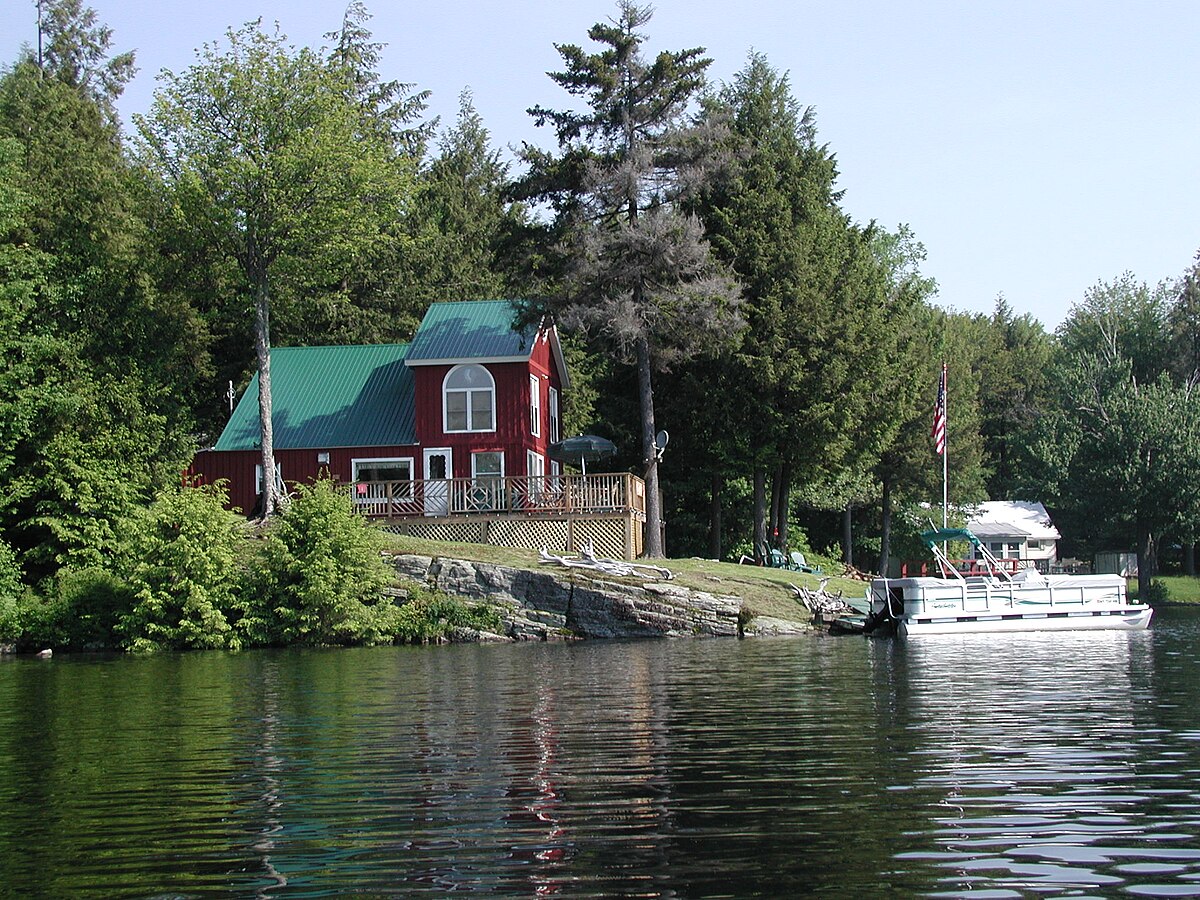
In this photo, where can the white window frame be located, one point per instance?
(555, 435)
(375, 491)
(488, 487)
(535, 474)
(475, 463)
(535, 405)
(535, 464)
(469, 393)
(258, 478)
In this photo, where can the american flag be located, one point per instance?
(939, 416)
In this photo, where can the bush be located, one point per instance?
(84, 613)
(10, 590)
(1157, 594)
(323, 575)
(431, 615)
(187, 573)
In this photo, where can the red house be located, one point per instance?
(452, 429)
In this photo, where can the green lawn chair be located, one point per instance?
(799, 564)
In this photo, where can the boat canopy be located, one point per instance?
(942, 535)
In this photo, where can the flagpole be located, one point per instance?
(939, 445)
(946, 454)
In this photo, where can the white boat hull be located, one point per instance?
(930, 606)
(1134, 618)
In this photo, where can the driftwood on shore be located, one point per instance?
(587, 559)
(821, 602)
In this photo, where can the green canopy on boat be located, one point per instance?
(942, 535)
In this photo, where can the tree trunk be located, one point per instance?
(848, 535)
(1189, 558)
(1145, 557)
(773, 529)
(262, 352)
(785, 490)
(653, 545)
(714, 517)
(760, 513)
(885, 527)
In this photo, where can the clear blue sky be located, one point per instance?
(1035, 148)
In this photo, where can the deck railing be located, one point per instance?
(520, 495)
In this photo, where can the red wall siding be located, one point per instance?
(512, 435)
(237, 466)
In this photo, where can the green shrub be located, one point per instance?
(10, 591)
(322, 575)
(85, 611)
(187, 573)
(430, 615)
(1157, 594)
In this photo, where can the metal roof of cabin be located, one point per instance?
(322, 397)
(479, 330)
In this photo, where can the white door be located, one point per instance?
(439, 469)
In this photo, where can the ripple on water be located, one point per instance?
(773, 768)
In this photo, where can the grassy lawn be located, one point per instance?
(764, 591)
(1180, 588)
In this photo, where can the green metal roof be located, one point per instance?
(330, 397)
(480, 330)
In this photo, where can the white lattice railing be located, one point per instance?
(550, 495)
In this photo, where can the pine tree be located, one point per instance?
(638, 275)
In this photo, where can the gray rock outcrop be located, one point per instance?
(558, 606)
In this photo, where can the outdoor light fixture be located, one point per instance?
(323, 458)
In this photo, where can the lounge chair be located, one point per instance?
(799, 564)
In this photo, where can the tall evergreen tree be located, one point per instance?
(73, 48)
(94, 386)
(1013, 369)
(639, 276)
(460, 217)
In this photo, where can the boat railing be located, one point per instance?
(991, 594)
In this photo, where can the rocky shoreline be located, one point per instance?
(543, 606)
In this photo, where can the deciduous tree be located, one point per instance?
(272, 159)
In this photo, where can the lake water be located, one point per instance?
(1026, 765)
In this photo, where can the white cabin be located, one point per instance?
(1017, 529)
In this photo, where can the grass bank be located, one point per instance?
(1180, 588)
(764, 591)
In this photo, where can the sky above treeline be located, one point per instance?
(1035, 148)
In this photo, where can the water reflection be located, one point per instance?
(983, 765)
(1050, 777)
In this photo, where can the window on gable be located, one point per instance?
(554, 430)
(469, 399)
(535, 406)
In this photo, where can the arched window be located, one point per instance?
(469, 400)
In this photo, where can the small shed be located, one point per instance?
(1117, 563)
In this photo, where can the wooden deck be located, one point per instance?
(564, 513)
(572, 496)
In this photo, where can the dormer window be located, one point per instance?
(469, 400)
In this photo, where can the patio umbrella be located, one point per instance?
(581, 448)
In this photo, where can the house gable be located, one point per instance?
(484, 332)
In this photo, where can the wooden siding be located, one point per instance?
(299, 466)
(512, 436)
